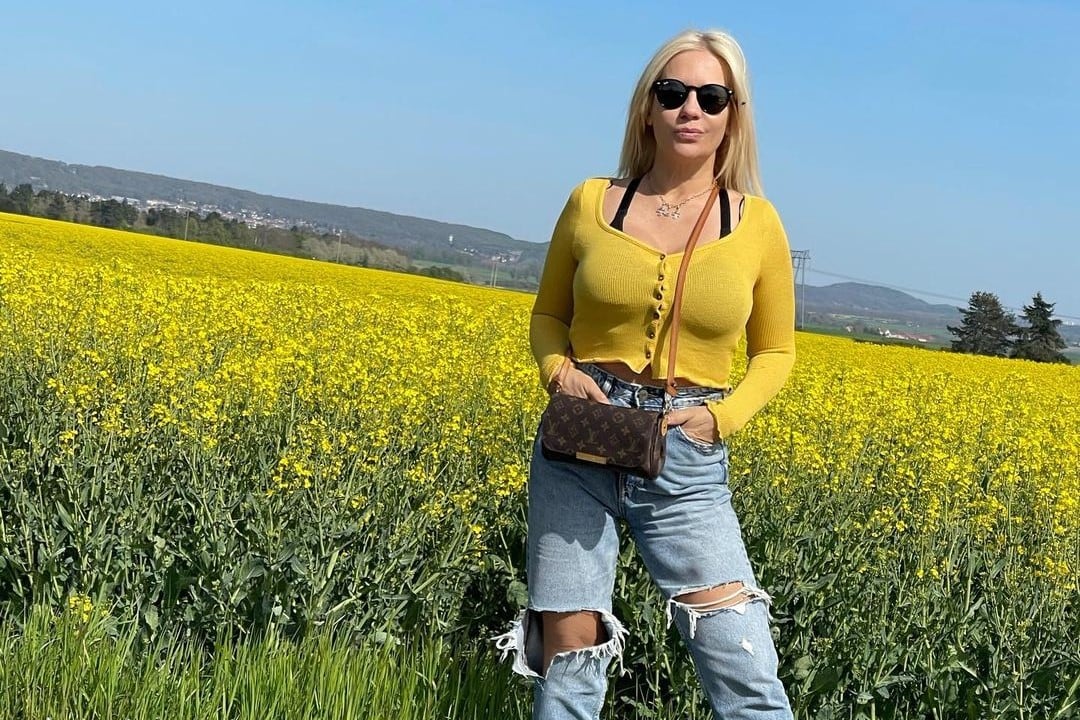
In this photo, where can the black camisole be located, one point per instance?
(628, 196)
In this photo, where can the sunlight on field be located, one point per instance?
(198, 335)
(290, 375)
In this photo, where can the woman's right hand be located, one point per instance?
(575, 383)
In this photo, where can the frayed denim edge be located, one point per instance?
(696, 611)
(514, 641)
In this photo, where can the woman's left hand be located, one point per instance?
(696, 421)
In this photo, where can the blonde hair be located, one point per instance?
(736, 165)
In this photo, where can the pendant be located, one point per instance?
(667, 210)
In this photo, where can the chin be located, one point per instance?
(690, 151)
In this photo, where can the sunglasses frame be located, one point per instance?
(658, 86)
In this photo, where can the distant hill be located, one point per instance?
(861, 300)
(859, 309)
(419, 237)
(871, 307)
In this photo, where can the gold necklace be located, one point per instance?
(671, 210)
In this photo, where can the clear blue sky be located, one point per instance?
(924, 145)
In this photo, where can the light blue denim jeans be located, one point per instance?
(689, 538)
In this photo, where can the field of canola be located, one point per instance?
(199, 437)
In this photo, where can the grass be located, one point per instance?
(67, 668)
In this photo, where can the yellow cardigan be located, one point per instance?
(607, 295)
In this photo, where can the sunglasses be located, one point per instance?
(671, 94)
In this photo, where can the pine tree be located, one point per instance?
(1040, 340)
(22, 199)
(986, 329)
(57, 208)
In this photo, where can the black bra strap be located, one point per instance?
(725, 214)
(624, 205)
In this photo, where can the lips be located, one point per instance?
(688, 134)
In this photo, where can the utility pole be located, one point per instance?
(799, 261)
(186, 218)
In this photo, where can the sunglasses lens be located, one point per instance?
(670, 94)
(713, 98)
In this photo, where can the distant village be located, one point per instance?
(257, 219)
(249, 217)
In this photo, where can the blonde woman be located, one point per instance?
(600, 329)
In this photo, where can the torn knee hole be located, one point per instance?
(728, 597)
(715, 598)
(526, 641)
(568, 631)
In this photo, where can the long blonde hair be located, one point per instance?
(736, 165)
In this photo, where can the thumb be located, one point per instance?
(593, 392)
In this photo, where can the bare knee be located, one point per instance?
(727, 597)
(592, 637)
(716, 598)
(568, 631)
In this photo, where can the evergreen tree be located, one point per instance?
(22, 199)
(1040, 340)
(57, 208)
(986, 329)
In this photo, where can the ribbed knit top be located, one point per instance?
(607, 295)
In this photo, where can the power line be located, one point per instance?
(926, 293)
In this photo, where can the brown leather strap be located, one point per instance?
(676, 310)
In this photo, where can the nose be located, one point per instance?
(690, 108)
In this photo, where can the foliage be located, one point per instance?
(211, 227)
(208, 438)
(986, 328)
(443, 273)
(1040, 340)
(88, 666)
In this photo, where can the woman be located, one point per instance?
(605, 292)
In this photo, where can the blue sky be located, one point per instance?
(930, 146)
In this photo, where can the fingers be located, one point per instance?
(578, 384)
(695, 415)
(697, 422)
(595, 393)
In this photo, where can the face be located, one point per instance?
(689, 132)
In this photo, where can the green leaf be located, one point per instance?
(150, 617)
(517, 594)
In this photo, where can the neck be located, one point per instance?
(680, 178)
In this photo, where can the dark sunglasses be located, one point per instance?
(671, 94)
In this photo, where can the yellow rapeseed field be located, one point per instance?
(215, 333)
(900, 455)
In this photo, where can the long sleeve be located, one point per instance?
(770, 336)
(553, 310)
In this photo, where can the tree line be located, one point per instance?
(210, 227)
(986, 328)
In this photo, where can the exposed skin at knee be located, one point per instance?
(715, 598)
(566, 631)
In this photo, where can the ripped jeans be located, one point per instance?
(689, 538)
